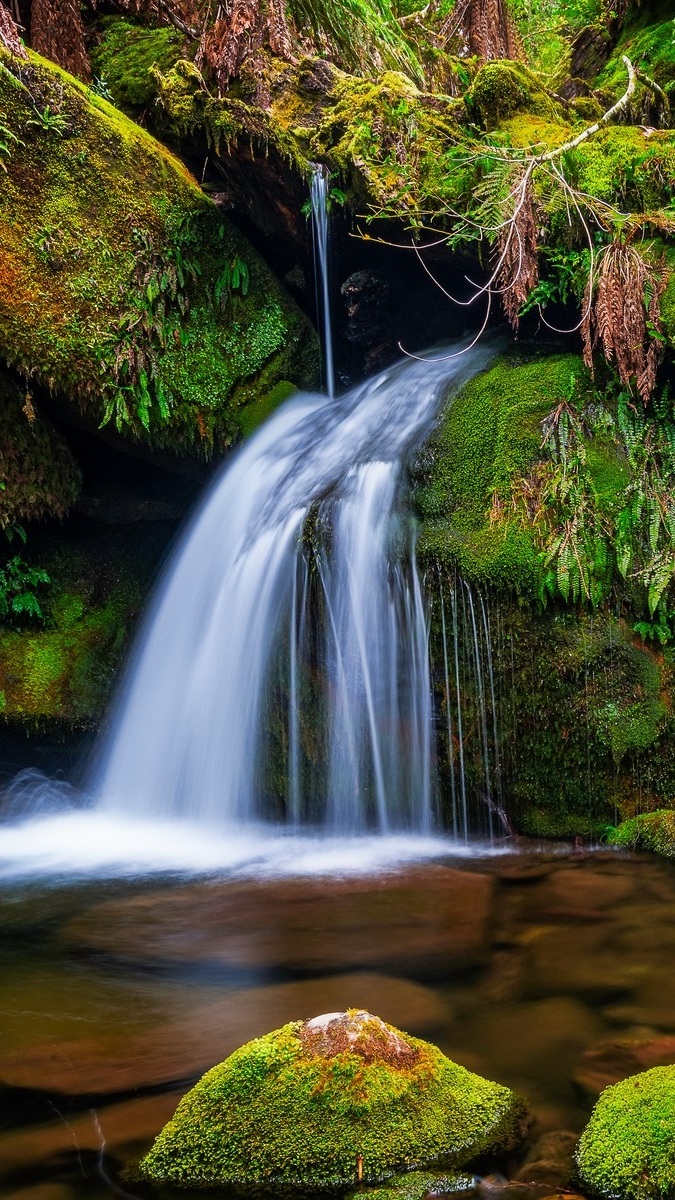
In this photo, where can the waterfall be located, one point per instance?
(289, 637)
(319, 204)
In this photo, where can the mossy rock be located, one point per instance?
(300, 1107)
(628, 1146)
(503, 88)
(121, 286)
(127, 57)
(488, 436)
(648, 831)
(38, 474)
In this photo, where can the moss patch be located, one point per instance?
(648, 831)
(501, 89)
(627, 1147)
(278, 1112)
(488, 436)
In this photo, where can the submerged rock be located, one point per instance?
(325, 1103)
(626, 1149)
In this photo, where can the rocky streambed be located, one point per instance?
(551, 973)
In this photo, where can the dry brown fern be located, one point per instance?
(242, 29)
(518, 270)
(9, 32)
(57, 32)
(623, 314)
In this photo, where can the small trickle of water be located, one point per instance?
(319, 202)
(285, 660)
(471, 716)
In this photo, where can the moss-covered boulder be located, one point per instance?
(503, 88)
(321, 1103)
(628, 1146)
(127, 56)
(121, 286)
(648, 831)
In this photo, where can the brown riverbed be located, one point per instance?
(553, 974)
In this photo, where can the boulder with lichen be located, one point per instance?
(326, 1103)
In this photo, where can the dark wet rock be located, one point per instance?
(550, 1161)
(429, 924)
(325, 1103)
(369, 313)
(611, 1061)
(111, 1060)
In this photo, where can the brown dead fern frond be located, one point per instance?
(243, 29)
(9, 33)
(518, 271)
(57, 32)
(623, 315)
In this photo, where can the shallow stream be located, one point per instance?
(115, 996)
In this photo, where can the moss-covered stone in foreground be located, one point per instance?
(628, 1147)
(298, 1107)
(649, 831)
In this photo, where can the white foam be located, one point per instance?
(91, 843)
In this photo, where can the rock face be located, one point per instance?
(327, 1102)
(626, 1149)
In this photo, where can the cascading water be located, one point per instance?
(470, 711)
(319, 205)
(306, 528)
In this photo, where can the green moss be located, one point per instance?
(622, 165)
(488, 437)
(254, 414)
(127, 56)
(627, 1147)
(648, 831)
(278, 1113)
(61, 674)
(111, 270)
(38, 474)
(503, 88)
(651, 48)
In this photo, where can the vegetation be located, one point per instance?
(293, 1114)
(648, 831)
(626, 1148)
